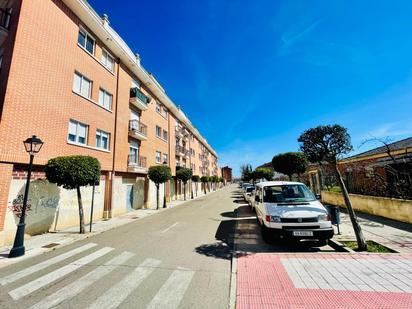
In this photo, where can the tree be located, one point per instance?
(204, 180)
(290, 163)
(214, 180)
(73, 172)
(328, 144)
(246, 172)
(184, 174)
(196, 179)
(264, 173)
(159, 174)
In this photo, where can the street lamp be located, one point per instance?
(164, 195)
(33, 146)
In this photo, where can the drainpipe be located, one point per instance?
(108, 212)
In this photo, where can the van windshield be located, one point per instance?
(287, 194)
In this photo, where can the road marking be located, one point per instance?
(119, 292)
(82, 283)
(35, 268)
(171, 293)
(57, 274)
(170, 227)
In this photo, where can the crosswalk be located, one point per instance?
(169, 295)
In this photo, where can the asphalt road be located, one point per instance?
(179, 258)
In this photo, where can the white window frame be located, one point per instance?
(165, 158)
(87, 34)
(78, 123)
(82, 77)
(167, 135)
(104, 60)
(160, 131)
(105, 95)
(101, 133)
(158, 108)
(158, 157)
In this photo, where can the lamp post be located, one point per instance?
(33, 146)
(164, 195)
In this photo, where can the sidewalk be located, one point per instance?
(39, 244)
(392, 234)
(340, 280)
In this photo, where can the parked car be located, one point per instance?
(289, 210)
(248, 194)
(246, 184)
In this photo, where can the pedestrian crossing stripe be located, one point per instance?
(169, 295)
(32, 286)
(82, 283)
(35, 268)
(119, 292)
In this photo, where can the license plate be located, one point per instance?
(302, 233)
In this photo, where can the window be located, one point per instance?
(105, 99)
(107, 60)
(102, 140)
(86, 41)
(165, 112)
(165, 135)
(77, 132)
(158, 107)
(82, 85)
(158, 131)
(158, 157)
(165, 158)
(133, 152)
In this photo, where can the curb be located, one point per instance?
(233, 271)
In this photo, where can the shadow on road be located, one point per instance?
(223, 248)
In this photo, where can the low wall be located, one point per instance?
(396, 209)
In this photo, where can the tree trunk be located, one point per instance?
(157, 196)
(204, 187)
(196, 187)
(356, 226)
(81, 214)
(184, 190)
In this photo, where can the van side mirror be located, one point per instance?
(257, 198)
(318, 197)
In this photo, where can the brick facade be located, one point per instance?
(40, 57)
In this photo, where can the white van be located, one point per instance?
(289, 210)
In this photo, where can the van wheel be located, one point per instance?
(265, 233)
(322, 242)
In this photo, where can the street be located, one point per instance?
(182, 258)
(177, 258)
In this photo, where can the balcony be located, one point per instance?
(137, 164)
(4, 24)
(139, 99)
(137, 130)
(181, 151)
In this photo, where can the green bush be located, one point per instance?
(184, 174)
(159, 174)
(73, 172)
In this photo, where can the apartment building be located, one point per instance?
(69, 78)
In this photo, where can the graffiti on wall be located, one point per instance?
(16, 206)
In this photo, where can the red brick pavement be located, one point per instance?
(263, 282)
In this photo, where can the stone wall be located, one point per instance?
(396, 209)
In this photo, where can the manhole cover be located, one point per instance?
(51, 245)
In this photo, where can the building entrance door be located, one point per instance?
(129, 198)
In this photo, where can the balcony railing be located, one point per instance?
(5, 18)
(182, 150)
(137, 93)
(136, 160)
(137, 126)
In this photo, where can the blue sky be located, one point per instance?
(253, 75)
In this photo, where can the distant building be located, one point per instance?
(227, 174)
